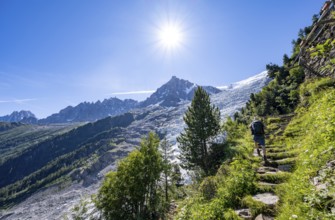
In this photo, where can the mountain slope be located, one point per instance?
(21, 116)
(45, 161)
(81, 156)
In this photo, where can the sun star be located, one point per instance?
(170, 36)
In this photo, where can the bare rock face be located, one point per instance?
(323, 32)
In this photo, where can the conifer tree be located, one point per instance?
(202, 124)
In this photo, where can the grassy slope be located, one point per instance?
(312, 134)
(309, 141)
(15, 140)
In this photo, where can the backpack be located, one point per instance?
(257, 128)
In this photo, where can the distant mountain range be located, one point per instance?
(56, 165)
(170, 94)
(86, 111)
(21, 116)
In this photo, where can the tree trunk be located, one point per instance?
(205, 156)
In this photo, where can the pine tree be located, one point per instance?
(202, 124)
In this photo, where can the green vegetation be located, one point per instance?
(132, 191)
(307, 142)
(312, 134)
(219, 195)
(202, 124)
(279, 97)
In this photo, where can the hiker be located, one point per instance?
(257, 130)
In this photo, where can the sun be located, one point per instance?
(170, 36)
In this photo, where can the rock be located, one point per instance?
(269, 199)
(263, 217)
(267, 184)
(262, 170)
(285, 167)
(244, 213)
(331, 164)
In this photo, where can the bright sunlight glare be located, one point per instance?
(170, 36)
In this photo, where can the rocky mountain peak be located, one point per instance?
(175, 91)
(91, 111)
(18, 116)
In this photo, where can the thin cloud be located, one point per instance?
(133, 92)
(17, 101)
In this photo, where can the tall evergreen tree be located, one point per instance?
(202, 124)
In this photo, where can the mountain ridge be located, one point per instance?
(170, 94)
(19, 116)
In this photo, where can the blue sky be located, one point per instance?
(59, 53)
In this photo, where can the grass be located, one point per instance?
(257, 207)
(285, 161)
(275, 150)
(281, 155)
(278, 177)
(312, 133)
(263, 188)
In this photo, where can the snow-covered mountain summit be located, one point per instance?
(174, 91)
(259, 78)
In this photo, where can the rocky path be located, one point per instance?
(270, 174)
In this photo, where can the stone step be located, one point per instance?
(275, 146)
(269, 199)
(269, 163)
(271, 172)
(264, 217)
(290, 160)
(267, 184)
(276, 150)
(286, 167)
(244, 213)
(281, 155)
(286, 152)
(266, 169)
